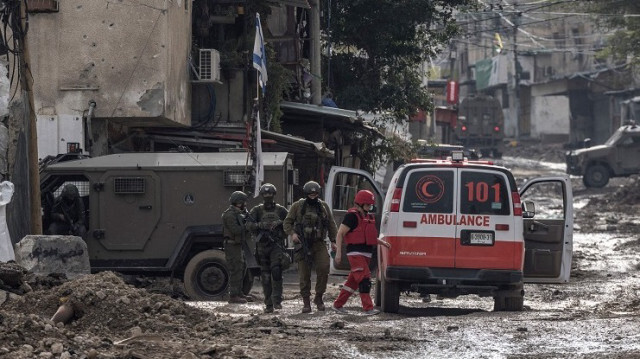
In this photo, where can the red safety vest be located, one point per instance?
(365, 232)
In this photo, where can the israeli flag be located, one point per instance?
(259, 55)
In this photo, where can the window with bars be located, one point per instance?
(128, 185)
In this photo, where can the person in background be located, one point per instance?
(67, 213)
(309, 222)
(358, 231)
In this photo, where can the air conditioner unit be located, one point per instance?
(208, 66)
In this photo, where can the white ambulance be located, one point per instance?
(460, 227)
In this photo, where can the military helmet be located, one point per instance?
(237, 197)
(364, 197)
(69, 192)
(311, 187)
(268, 188)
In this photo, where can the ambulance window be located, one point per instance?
(429, 191)
(548, 198)
(483, 193)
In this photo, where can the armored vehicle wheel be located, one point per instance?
(378, 298)
(206, 276)
(596, 176)
(390, 291)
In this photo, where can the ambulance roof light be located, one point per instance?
(457, 156)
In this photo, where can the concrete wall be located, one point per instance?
(129, 57)
(550, 118)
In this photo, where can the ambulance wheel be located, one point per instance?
(377, 299)
(206, 276)
(596, 176)
(508, 304)
(390, 291)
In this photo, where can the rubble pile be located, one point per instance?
(107, 315)
(629, 194)
(548, 152)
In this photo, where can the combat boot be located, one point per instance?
(307, 305)
(318, 302)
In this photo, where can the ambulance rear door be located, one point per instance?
(548, 234)
(340, 190)
(486, 225)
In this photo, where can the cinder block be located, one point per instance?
(44, 255)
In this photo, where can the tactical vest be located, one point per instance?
(269, 216)
(314, 219)
(365, 232)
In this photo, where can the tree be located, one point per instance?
(625, 42)
(378, 47)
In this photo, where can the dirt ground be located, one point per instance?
(593, 316)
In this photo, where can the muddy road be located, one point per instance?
(595, 315)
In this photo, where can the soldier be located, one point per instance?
(308, 222)
(270, 253)
(235, 232)
(67, 214)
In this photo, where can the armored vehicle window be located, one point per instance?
(632, 140)
(429, 191)
(235, 178)
(128, 185)
(483, 193)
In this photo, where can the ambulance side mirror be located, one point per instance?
(528, 209)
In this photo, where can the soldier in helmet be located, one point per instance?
(358, 231)
(308, 222)
(67, 214)
(235, 232)
(270, 252)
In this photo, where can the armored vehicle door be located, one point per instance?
(129, 209)
(342, 185)
(628, 152)
(548, 235)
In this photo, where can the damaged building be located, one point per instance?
(156, 75)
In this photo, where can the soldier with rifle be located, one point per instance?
(235, 235)
(308, 222)
(266, 223)
(67, 214)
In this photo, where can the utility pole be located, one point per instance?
(30, 129)
(516, 77)
(314, 28)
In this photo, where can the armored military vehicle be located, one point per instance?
(480, 125)
(160, 213)
(619, 156)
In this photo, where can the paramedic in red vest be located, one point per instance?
(358, 231)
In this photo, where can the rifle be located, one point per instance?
(250, 258)
(307, 254)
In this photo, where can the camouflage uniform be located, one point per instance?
(234, 232)
(270, 250)
(315, 220)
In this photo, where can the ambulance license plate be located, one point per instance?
(481, 238)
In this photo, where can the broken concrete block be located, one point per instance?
(44, 255)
